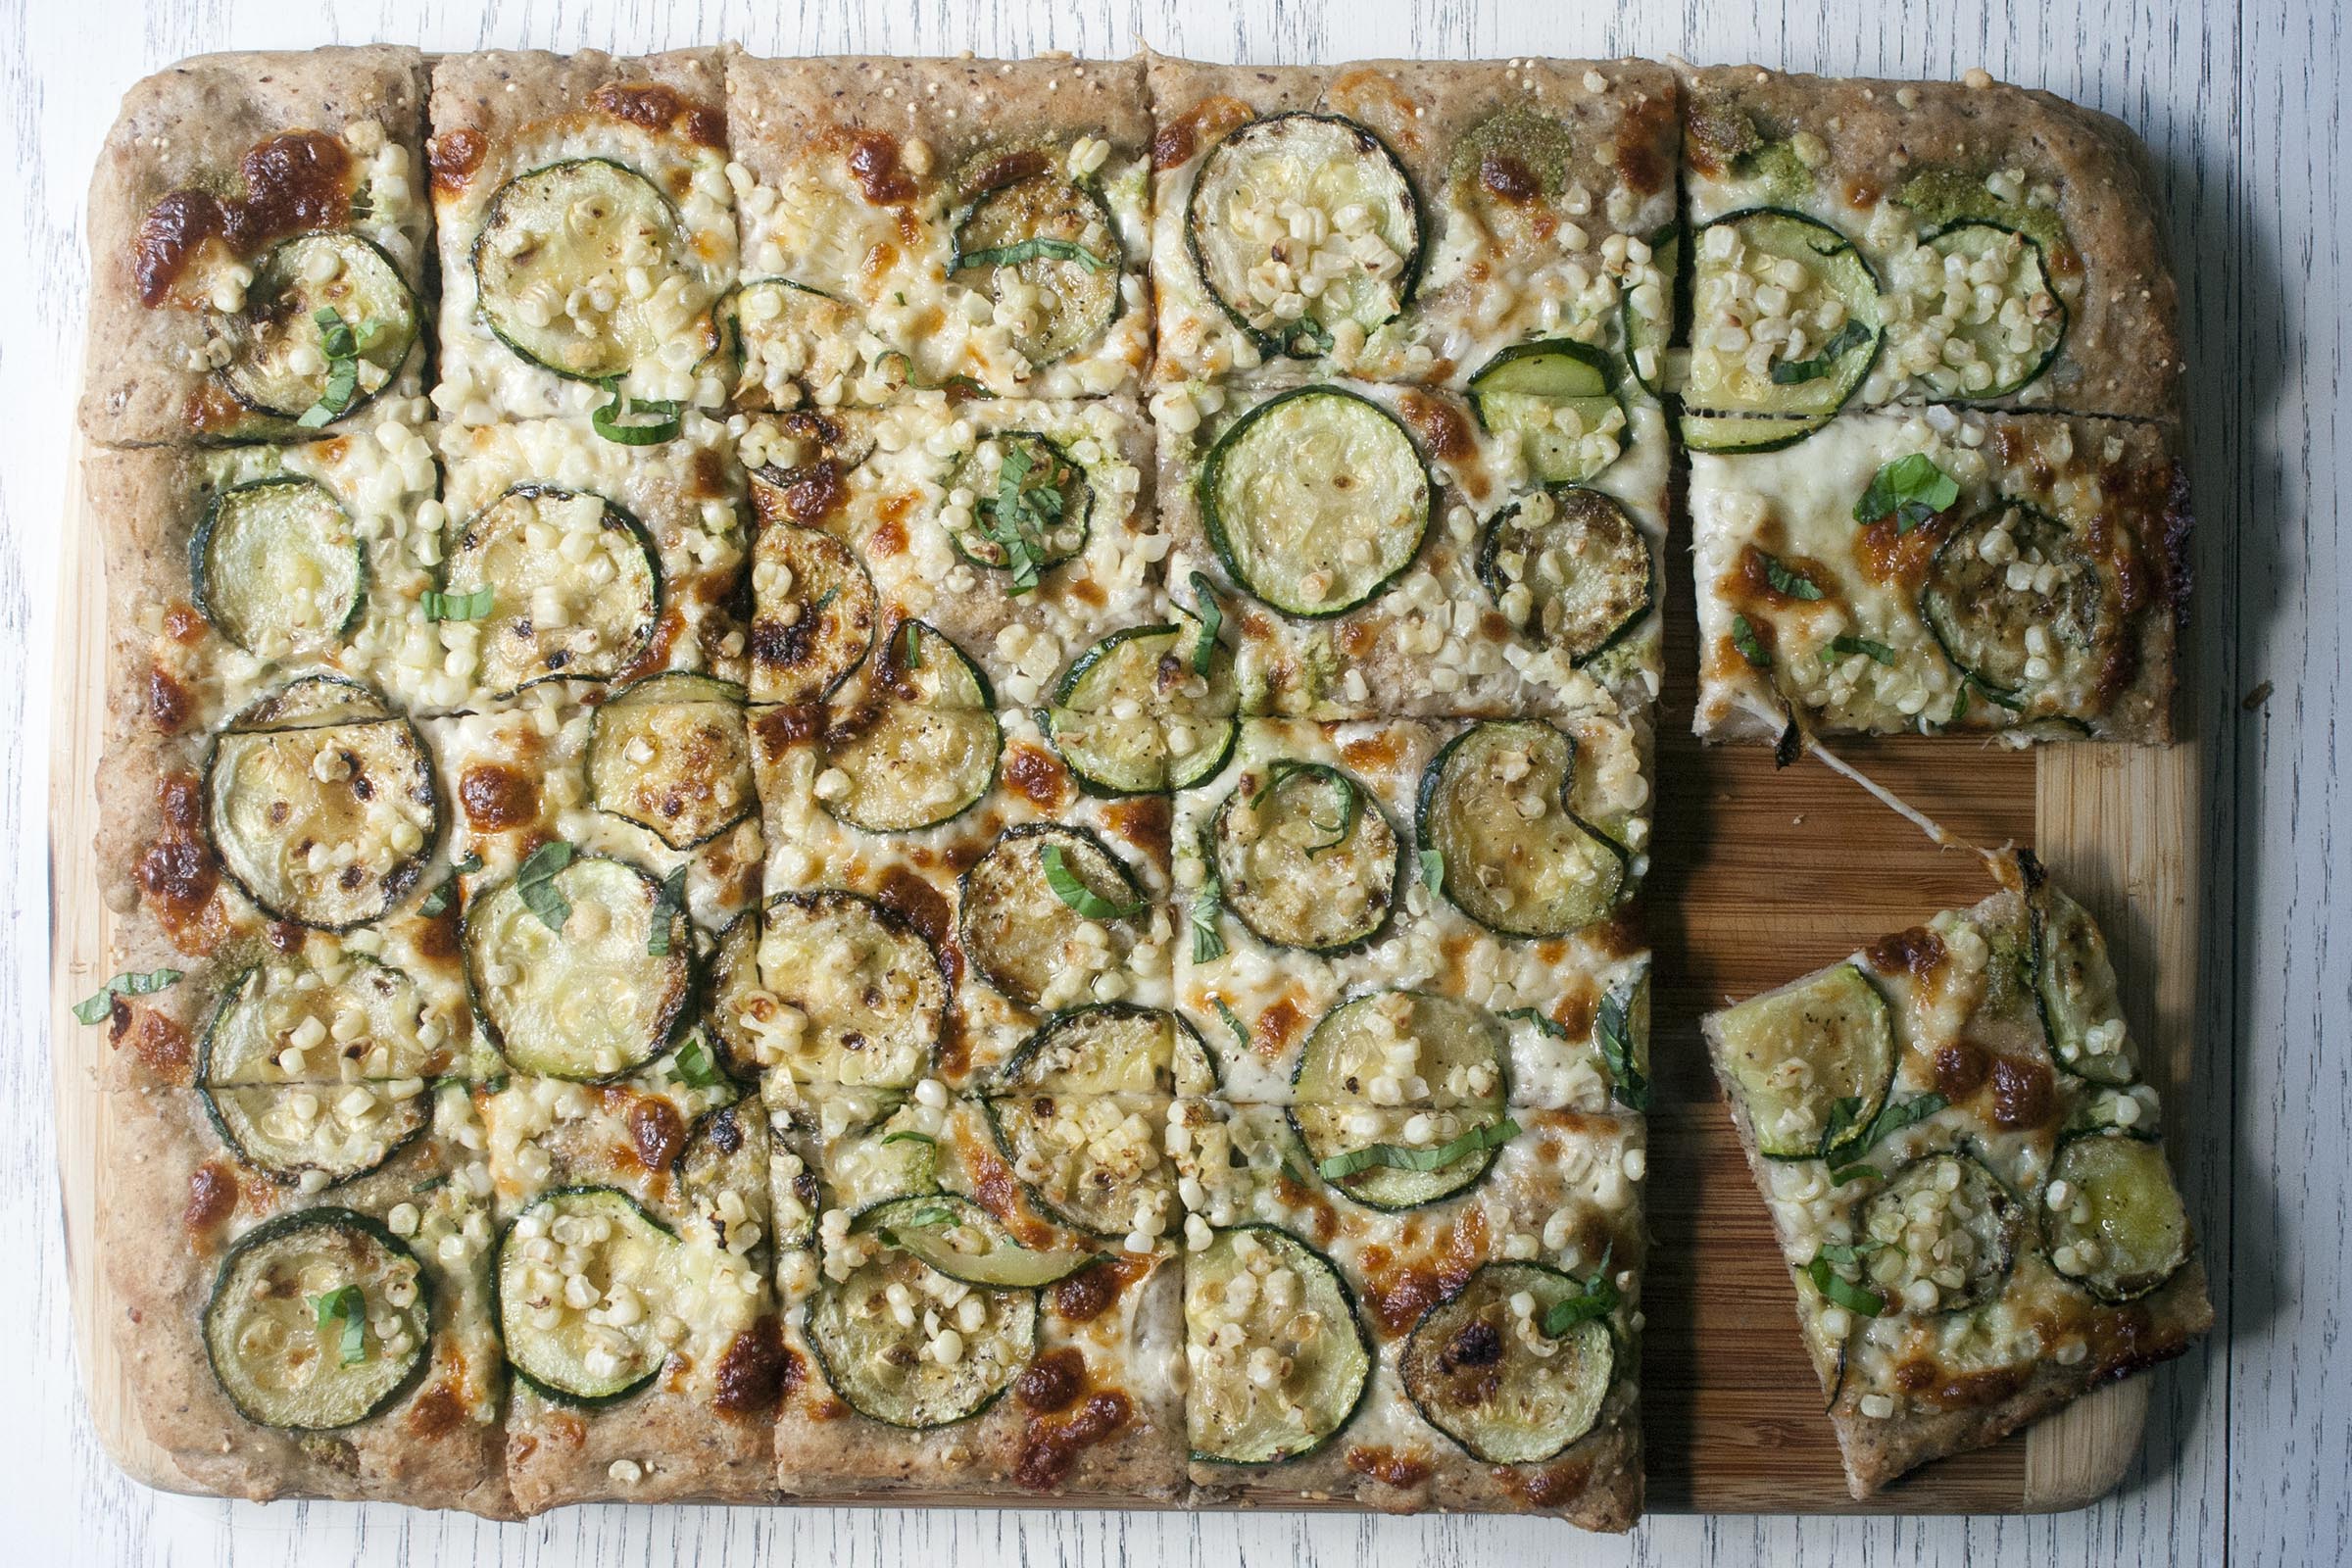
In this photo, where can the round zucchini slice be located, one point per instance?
(1091, 1161)
(278, 359)
(1307, 858)
(868, 989)
(775, 330)
(1496, 804)
(582, 999)
(1364, 255)
(313, 701)
(1994, 302)
(1795, 1052)
(553, 265)
(818, 610)
(921, 748)
(2123, 1231)
(1054, 238)
(1026, 936)
(1942, 1235)
(1321, 1358)
(575, 586)
(2018, 608)
(341, 1130)
(1134, 716)
(1110, 1047)
(363, 1020)
(2077, 989)
(295, 1327)
(1766, 271)
(278, 567)
(1570, 568)
(1030, 507)
(327, 826)
(965, 1242)
(887, 1371)
(1558, 399)
(1316, 500)
(628, 1258)
(1399, 1097)
(672, 754)
(1743, 433)
(1486, 1374)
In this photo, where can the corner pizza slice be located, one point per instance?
(587, 234)
(912, 223)
(1943, 570)
(1960, 1157)
(1411, 219)
(258, 228)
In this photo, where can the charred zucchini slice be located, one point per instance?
(879, 1365)
(1053, 238)
(965, 1242)
(1135, 714)
(562, 968)
(672, 754)
(1316, 500)
(1939, 1214)
(831, 987)
(1558, 399)
(280, 358)
(1306, 857)
(340, 1131)
(2076, 988)
(1110, 1047)
(1310, 1326)
(1795, 1055)
(1030, 507)
(574, 585)
(1498, 804)
(278, 567)
(1490, 1377)
(284, 1023)
(2019, 609)
(920, 745)
(815, 614)
(296, 1326)
(1800, 289)
(580, 1355)
(1569, 569)
(1034, 933)
(1995, 303)
(1091, 1161)
(2121, 1231)
(1399, 1097)
(1365, 254)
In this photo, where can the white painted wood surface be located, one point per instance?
(2249, 1454)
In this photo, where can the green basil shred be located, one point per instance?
(1339, 1167)
(536, 883)
(1077, 895)
(94, 1009)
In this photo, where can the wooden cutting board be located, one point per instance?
(1758, 876)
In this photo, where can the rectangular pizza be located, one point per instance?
(258, 227)
(1960, 1154)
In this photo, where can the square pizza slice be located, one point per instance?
(1395, 550)
(587, 234)
(281, 1339)
(1913, 242)
(1410, 220)
(1959, 1154)
(258, 227)
(1471, 1343)
(1941, 570)
(926, 223)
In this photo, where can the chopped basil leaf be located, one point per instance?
(692, 1066)
(1034, 248)
(1212, 620)
(1351, 800)
(1616, 1037)
(349, 1308)
(1743, 638)
(537, 882)
(1601, 1297)
(472, 606)
(1077, 895)
(1478, 1140)
(435, 902)
(94, 1009)
(1543, 1021)
(668, 904)
(1002, 518)
(908, 1135)
(1842, 1113)
(1850, 1253)
(1433, 870)
(1845, 646)
(1316, 332)
(1902, 1114)
(668, 418)
(1794, 372)
(1913, 489)
(1208, 942)
(914, 656)
(1959, 703)
(1793, 584)
(1240, 1030)
(1843, 1292)
(1854, 1173)
(431, 1184)
(342, 350)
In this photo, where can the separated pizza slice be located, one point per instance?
(258, 228)
(1943, 570)
(1959, 1154)
(912, 224)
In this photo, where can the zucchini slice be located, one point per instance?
(1110, 1047)
(1392, 1081)
(1484, 1372)
(2077, 990)
(1496, 803)
(1364, 254)
(279, 362)
(1133, 716)
(1940, 1217)
(1999, 318)
(1053, 240)
(965, 1242)
(626, 1257)
(1651, 334)
(553, 264)
(324, 826)
(1322, 1359)
(278, 567)
(340, 1131)
(584, 1001)
(2123, 1231)
(313, 701)
(1316, 500)
(832, 987)
(1796, 1054)
(921, 747)
(1030, 507)
(815, 614)
(1731, 435)
(1023, 935)
(1779, 278)
(672, 754)
(282, 1023)
(1558, 398)
(296, 1326)
(574, 583)
(889, 1370)
(1089, 1161)
(772, 329)
(1570, 568)
(1307, 858)
(2018, 608)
